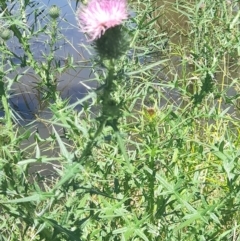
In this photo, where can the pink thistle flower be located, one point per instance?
(100, 15)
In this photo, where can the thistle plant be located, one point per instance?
(151, 151)
(14, 178)
(101, 21)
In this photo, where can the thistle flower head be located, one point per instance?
(100, 15)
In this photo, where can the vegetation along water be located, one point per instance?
(119, 120)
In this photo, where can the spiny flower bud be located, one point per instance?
(54, 12)
(5, 34)
(113, 43)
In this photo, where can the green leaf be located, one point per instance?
(34, 198)
(140, 233)
(150, 66)
(63, 149)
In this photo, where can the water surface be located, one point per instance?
(26, 98)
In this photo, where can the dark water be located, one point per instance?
(26, 99)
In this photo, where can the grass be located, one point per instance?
(151, 153)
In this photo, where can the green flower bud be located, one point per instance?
(113, 44)
(5, 34)
(54, 11)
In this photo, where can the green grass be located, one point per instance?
(153, 152)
